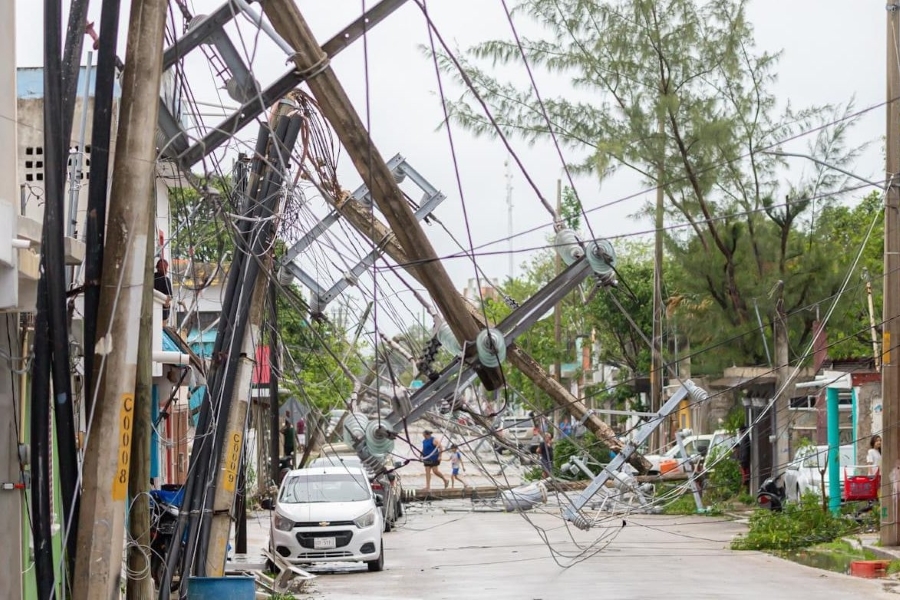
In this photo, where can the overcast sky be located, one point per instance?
(833, 50)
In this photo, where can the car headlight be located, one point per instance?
(367, 520)
(281, 523)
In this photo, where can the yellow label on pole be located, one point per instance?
(232, 462)
(886, 349)
(123, 461)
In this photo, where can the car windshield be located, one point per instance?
(310, 489)
(335, 461)
(695, 446)
(515, 423)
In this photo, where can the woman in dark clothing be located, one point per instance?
(162, 283)
(431, 457)
(545, 451)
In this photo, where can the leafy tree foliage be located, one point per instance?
(676, 91)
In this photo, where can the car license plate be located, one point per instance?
(322, 543)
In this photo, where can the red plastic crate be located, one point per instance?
(861, 487)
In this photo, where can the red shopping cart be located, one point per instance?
(861, 488)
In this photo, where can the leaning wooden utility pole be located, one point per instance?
(359, 217)
(339, 111)
(890, 372)
(107, 454)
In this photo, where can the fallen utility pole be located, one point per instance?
(107, 454)
(338, 110)
(377, 232)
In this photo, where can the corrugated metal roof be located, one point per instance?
(30, 83)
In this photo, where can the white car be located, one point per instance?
(671, 462)
(804, 473)
(327, 514)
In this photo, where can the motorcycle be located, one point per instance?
(772, 494)
(164, 509)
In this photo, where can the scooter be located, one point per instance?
(771, 494)
(164, 508)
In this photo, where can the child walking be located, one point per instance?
(456, 464)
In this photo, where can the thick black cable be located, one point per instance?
(71, 65)
(42, 536)
(104, 83)
(53, 271)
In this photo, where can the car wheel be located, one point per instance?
(388, 525)
(399, 509)
(799, 496)
(378, 563)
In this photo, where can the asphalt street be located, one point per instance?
(455, 549)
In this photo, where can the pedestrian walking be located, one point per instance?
(431, 458)
(456, 465)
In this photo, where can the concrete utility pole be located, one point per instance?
(338, 110)
(890, 373)
(782, 455)
(107, 455)
(10, 500)
(876, 355)
(360, 218)
(232, 448)
(140, 583)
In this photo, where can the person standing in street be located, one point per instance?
(545, 452)
(431, 458)
(456, 465)
(301, 435)
(289, 434)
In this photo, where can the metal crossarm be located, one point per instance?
(321, 295)
(573, 512)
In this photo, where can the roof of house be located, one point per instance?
(30, 83)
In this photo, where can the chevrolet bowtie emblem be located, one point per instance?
(324, 523)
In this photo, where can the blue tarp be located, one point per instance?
(169, 344)
(154, 437)
(202, 344)
(195, 401)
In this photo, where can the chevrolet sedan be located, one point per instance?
(327, 514)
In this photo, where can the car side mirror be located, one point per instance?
(267, 504)
(379, 501)
(391, 477)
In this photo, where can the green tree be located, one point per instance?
(675, 91)
(199, 228)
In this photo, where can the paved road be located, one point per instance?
(448, 551)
